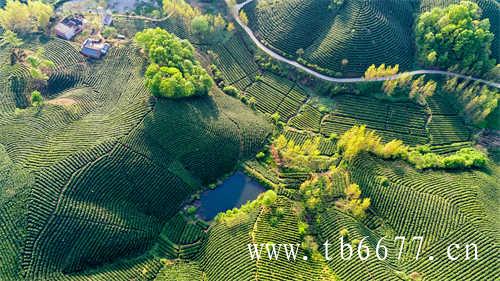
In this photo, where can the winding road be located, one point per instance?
(236, 9)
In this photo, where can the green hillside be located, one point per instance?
(103, 180)
(92, 175)
(345, 40)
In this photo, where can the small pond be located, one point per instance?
(235, 191)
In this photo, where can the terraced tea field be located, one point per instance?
(343, 41)
(103, 180)
(103, 172)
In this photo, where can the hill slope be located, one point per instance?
(347, 39)
(93, 174)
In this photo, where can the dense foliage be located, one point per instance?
(208, 27)
(304, 156)
(416, 88)
(353, 203)
(477, 102)
(36, 98)
(455, 38)
(23, 18)
(173, 71)
(358, 139)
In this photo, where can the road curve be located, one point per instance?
(236, 9)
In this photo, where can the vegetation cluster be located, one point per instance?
(173, 71)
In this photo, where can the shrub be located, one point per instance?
(261, 155)
(109, 32)
(384, 181)
(465, 158)
(392, 150)
(191, 210)
(231, 90)
(303, 228)
(36, 98)
(268, 198)
(344, 232)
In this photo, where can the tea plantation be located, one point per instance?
(344, 39)
(103, 180)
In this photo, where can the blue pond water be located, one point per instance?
(232, 193)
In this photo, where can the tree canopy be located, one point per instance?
(173, 71)
(455, 38)
(24, 18)
(306, 156)
(36, 98)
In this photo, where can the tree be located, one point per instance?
(10, 38)
(304, 157)
(382, 70)
(335, 4)
(109, 32)
(24, 18)
(36, 98)
(200, 25)
(353, 203)
(244, 17)
(455, 38)
(41, 12)
(230, 27)
(173, 71)
(181, 9)
(39, 66)
(421, 90)
(300, 52)
(478, 102)
(356, 140)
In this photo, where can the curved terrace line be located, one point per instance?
(236, 9)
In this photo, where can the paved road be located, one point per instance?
(238, 7)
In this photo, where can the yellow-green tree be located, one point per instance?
(244, 17)
(356, 140)
(382, 70)
(24, 18)
(353, 203)
(306, 156)
(39, 66)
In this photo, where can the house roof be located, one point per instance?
(93, 44)
(62, 28)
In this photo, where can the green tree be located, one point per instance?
(353, 203)
(10, 38)
(39, 66)
(36, 98)
(173, 71)
(200, 25)
(455, 38)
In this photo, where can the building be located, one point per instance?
(108, 18)
(94, 48)
(69, 27)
